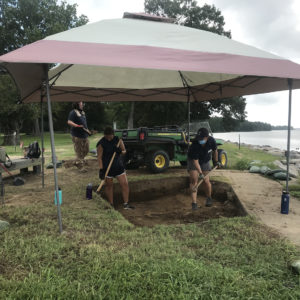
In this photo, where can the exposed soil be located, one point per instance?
(176, 209)
(168, 201)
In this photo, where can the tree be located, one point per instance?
(23, 22)
(207, 17)
(188, 13)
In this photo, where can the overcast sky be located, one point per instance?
(272, 25)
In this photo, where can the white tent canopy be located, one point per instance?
(134, 59)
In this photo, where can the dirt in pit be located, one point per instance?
(168, 201)
(176, 209)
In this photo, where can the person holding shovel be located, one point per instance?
(106, 148)
(198, 164)
(79, 131)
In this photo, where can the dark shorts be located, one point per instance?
(116, 171)
(205, 167)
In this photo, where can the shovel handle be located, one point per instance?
(198, 184)
(108, 168)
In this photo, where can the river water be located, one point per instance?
(274, 138)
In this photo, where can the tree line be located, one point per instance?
(26, 21)
(217, 125)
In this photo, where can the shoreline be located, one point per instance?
(294, 165)
(269, 149)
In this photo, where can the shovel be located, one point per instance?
(108, 168)
(194, 189)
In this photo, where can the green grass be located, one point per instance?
(102, 256)
(240, 158)
(63, 145)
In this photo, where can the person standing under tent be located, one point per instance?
(106, 147)
(79, 131)
(198, 164)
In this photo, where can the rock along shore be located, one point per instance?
(294, 166)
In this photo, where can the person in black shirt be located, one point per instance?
(79, 130)
(106, 147)
(198, 164)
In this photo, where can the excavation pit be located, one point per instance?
(167, 201)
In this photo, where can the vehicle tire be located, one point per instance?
(158, 161)
(222, 158)
(183, 163)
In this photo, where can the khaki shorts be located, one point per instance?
(205, 167)
(81, 147)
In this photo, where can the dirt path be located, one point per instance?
(261, 197)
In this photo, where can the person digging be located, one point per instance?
(198, 164)
(106, 147)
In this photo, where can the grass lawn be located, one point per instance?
(100, 255)
(238, 158)
(63, 145)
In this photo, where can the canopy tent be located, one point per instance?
(133, 59)
(138, 59)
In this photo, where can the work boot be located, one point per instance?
(128, 206)
(209, 202)
(194, 206)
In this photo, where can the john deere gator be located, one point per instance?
(156, 147)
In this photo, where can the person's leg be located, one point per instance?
(76, 146)
(109, 190)
(193, 181)
(124, 187)
(86, 148)
(206, 185)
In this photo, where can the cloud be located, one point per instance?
(271, 25)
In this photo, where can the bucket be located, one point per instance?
(285, 201)
(2, 155)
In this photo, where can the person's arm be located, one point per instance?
(99, 156)
(71, 123)
(122, 147)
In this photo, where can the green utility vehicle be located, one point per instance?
(156, 147)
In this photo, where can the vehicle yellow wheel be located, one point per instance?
(159, 161)
(222, 157)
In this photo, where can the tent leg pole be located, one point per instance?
(189, 115)
(42, 139)
(53, 151)
(290, 83)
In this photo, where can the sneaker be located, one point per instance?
(194, 206)
(209, 202)
(127, 206)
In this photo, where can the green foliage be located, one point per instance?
(26, 21)
(149, 113)
(242, 164)
(188, 13)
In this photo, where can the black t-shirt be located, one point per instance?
(108, 151)
(202, 152)
(79, 120)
